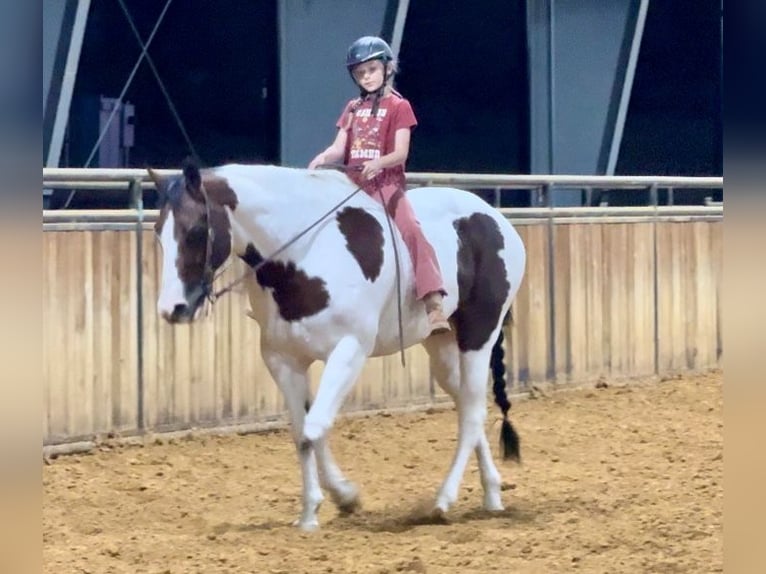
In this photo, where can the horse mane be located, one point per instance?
(270, 175)
(279, 177)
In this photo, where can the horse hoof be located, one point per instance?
(346, 498)
(494, 506)
(438, 515)
(348, 507)
(311, 525)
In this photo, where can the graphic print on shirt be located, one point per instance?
(365, 134)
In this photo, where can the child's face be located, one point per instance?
(369, 75)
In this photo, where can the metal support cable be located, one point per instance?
(122, 93)
(165, 93)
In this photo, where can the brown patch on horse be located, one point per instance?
(296, 294)
(192, 234)
(219, 190)
(483, 285)
(251, 256)
(364, 239)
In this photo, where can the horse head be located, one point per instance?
(194, 233)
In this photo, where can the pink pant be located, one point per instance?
(427, 273)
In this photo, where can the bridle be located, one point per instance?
(209, 276)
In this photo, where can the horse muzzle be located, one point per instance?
(186, 311)
(181, 313)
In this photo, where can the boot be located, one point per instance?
(436, 318)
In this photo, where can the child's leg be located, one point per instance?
(428, 277)
(428, 280)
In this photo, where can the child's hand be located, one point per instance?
(372, 168)
(317, 161)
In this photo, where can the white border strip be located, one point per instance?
(627, 88)
(399, 22)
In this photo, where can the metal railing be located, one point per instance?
(542, 188)
(111, 178)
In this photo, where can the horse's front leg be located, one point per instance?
(344, 493)
(341, 371)
(292, 379)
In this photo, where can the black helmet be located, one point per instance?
(368, 48)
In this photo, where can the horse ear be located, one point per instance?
(154, 176)
(193, 178)
(159, 183)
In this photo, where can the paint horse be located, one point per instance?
(332, 296)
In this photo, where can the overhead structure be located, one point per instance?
(64, 24)
(562, 89)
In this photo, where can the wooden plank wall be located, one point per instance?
(527, 351)
(89, 333)
(604, 300)
(601, 323)
(690, 263)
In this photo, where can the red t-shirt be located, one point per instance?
(371, 138)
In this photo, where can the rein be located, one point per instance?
(210, 276)
(213, 296)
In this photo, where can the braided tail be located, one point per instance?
(509, 439)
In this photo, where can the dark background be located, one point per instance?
(214, 75)
(472, 106)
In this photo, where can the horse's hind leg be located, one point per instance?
(477, 371)
(490, 476)
(464, 377)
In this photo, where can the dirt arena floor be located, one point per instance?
(616, 479)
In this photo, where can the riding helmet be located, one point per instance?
(368, 48)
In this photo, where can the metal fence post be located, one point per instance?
(137, 199)
(551, 370)
(654, 202)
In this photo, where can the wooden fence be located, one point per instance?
(613, 293)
